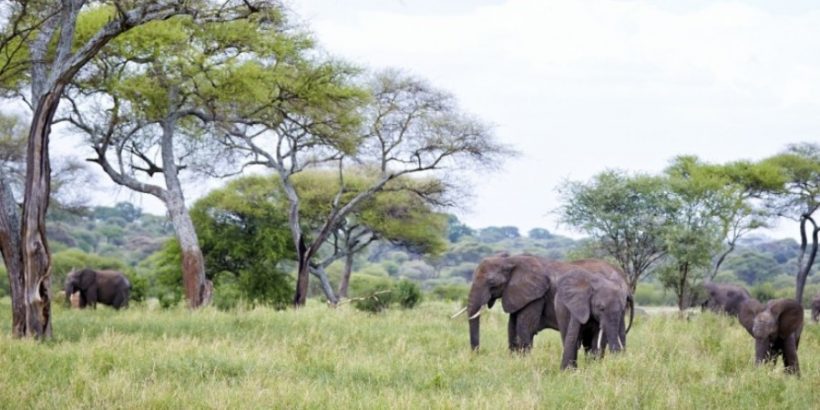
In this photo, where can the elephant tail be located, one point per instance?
(631, 302)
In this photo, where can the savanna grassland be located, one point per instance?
(318, 357)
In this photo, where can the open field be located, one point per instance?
(322, 358)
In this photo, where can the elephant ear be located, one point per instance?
(528, 282)
(789, 316)
(575, 292)
(748, 310)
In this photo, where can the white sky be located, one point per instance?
(581, 86)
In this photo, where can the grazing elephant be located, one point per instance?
(108, 287)
(726, 298)
(776, 328)
(523, 283)
(815, 307)
(590, 308)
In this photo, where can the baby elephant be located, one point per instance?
(108, 287)
(776, 328)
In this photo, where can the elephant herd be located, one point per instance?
(587, 300)
(776, 325)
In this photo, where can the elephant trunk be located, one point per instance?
(477, 299)
(612, 332)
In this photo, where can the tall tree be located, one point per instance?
(741, 185)
(625, 215)
(408, 128)
(161, 81)
(799, 200)
(39, 57)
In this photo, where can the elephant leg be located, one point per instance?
(512, 337)
(91, 296)
(790, 355)
(570, 357)
(527, 322)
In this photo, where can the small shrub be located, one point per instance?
(226, 296)
(169, 298)
(376, 302)
(451, 292)
(371, 293)
(764, 292)
(408, 294)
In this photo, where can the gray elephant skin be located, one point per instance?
(526, 286)
(590, 304)
(108, 287)
(724, 298)
(776, 327)
(523, 283)
(815, 308)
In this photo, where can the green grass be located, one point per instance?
(318, 357)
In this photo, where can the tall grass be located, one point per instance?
(318, 357)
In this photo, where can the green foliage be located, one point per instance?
(764, 292)
(408, 294)
(372, 293)
(450, 292)
(457, 229)
(243, 232)
(5, 290)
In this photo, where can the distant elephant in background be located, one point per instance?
(108, 287)
(815, 307)
(724, 297)
(590, 308)
(523, 283)
(776, 328)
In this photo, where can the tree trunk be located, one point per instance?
(320, 273)
(34, 247)
(13, 259)
(303, 275)
(804, 269)
(348, 270)
(198, 289)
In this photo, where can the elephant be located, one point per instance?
(776, 328)
(815, 307)
(108, 287)
(523, 283)
(726, 298)
(590, 308)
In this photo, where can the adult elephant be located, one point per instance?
(776, 328)
(523, 283)
(724, 298)
(590, 308)
(815, 307)
(108, 287)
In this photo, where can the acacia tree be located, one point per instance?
(161, 81)
(39, 57)
(396, 214)
(408, 128)
(740, 185)
(799, 199)
(625, 215)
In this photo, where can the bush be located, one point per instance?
(169, 298)
(371, 293)
(226, 296)
(764, 292)
(451, 292)
(139, 287)
(408, 294)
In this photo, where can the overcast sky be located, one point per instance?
(581, 86)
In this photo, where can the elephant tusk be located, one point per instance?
(457, 314)
(621, 343)
(477, 314)
(600, 336)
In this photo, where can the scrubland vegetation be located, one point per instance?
(318, 357)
